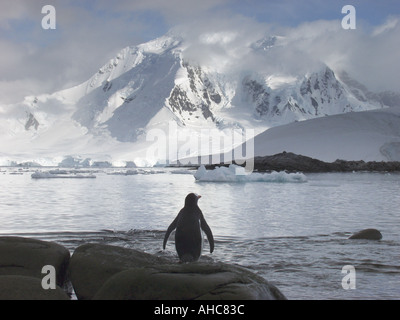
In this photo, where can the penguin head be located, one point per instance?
(191, 199)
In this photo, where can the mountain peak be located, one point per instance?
(162, 44)
(151, 85)
(265, 43)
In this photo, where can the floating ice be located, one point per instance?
(124, 173)
(132, 172)
(234, 173)
(49, 175)
(182, 171)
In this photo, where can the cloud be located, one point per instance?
(223, 42)
(87, 35)
(218, 32)
(173, 11)
(390, 24)
(85, 38)
(369, 56)
(17, 9)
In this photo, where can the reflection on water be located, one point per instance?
(295, 235)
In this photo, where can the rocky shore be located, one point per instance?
(98, 271)
(290, 162)
(293, 162)
(105, 272)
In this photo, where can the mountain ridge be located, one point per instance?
(148, 86)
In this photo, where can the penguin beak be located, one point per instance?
(198, 196)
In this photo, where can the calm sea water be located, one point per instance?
(292, 234)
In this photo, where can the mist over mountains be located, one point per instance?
(220, 82)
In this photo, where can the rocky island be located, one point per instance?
(291, 162)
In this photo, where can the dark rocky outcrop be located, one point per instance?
(92, 264)
(28, 288)
(195, 281)
(367, 234)
(291, 162)
(108, 272)
(287, 161)
(99, 271)
(31, 122)
(21, 263)
(26, 257)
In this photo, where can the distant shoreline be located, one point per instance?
(284, 161)
(291, 162)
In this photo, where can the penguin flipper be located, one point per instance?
(208, 232)
(171, 228)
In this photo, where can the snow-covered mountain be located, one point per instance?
(152, 92)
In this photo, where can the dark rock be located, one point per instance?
(107, 86)
(288, 161)
(180, 101)
(26, 257)
(194, 281)
(257, 94)
(28, 288)
(368, 234)
(108, 272)
(31, 122)
(215, 98)
(92, 264)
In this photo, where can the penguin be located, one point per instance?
(188, 237)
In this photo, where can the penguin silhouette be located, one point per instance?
(188, 238)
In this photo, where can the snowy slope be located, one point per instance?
(369, 136)
(151, 91)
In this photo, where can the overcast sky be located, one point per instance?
(89, 33)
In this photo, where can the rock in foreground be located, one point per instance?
(28, 288)
(194, 281)
(21, 263)
(109, 272)
(92, 264)
(27, 257)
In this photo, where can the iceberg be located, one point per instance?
(235, 173)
